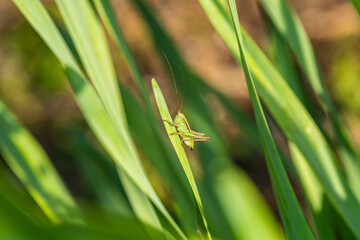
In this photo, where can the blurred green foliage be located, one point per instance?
(344, 79)
(35, 58)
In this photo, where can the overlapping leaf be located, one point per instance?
(291, 29)
(229, 214)
(33, 167)
(291, 116)
(292, 217)
(108, 122)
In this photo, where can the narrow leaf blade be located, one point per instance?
(179, 149)
(292, 217)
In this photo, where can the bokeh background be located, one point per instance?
(33, 85)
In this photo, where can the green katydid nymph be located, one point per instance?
(187, 136)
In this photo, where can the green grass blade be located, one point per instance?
(227, 183)
(293, 219)
(89, 38)
(142, 208)
(20, 197)
(109, 19)
(293, 32)
(33, 167)
(16, 224)
(315, 194)
(90, 42)
(281, 59)
(98, 172)
(290, 28)
(115, 142)
(179, 149)
(291, 116)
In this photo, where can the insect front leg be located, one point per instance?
(173, 124)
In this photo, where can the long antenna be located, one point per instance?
(172, 74)
(183, 95)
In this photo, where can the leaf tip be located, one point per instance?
(153, 81)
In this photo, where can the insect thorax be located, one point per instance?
(183, 127)
(180, 120)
